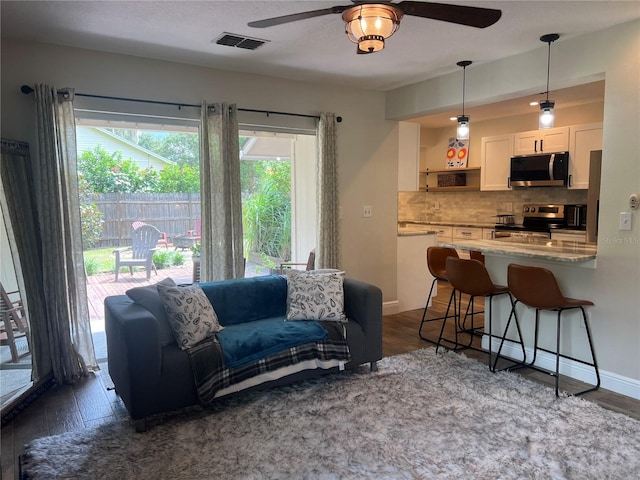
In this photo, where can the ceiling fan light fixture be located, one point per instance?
(547, 117)
(369, 25)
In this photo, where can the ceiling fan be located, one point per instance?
(368, 24)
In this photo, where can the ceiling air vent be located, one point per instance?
(239, 41)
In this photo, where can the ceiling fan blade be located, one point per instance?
(463, 15)
(294, 17)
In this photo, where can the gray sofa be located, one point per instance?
(153, 375)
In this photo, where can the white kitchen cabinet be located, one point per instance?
(444, 233)
(582, 140)
(488, 233)
(413, 277)
(408, 156)
(495, 158)
(467, 233)
(541, 141)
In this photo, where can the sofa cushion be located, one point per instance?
(315, 296)
(149, 298)
(190, 313)
(246, 343)
(247, 299)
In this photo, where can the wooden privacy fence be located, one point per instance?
(172, 213)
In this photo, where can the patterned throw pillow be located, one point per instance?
(190, 314)
(315, 296)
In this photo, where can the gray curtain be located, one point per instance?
(63, 282)
(327, 249)
(222, 244)
(21, 220)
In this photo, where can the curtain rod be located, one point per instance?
(26, 89)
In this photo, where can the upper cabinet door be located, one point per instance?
(555, 140)
(496, 162)
(541, 141)
(408, 156)
(584, 139)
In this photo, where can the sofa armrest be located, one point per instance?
(133, 346)
(363, 304)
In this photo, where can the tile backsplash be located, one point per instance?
(476, 206)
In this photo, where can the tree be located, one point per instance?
(107, 172)
(91, 217)
(181, 148)
(178, 179)
(266, 213)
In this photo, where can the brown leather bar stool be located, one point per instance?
(436, 258)
(472, 278)
(538, 288)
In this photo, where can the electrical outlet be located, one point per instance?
(625, 221)
(436, 205)
(366, 211)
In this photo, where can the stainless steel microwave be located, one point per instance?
(540, 170)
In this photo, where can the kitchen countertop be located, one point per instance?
(448, 224)
(412, 232)
(533, 248)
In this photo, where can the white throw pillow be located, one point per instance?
(190, 314)
(315, 296)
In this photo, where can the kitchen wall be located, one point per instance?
(474, 206)
(433, 141)
(478, 207)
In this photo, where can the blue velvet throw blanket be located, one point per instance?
(246, 343)
(210, 372)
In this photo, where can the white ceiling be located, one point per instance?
(309, 50)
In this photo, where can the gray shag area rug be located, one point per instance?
(420, 416)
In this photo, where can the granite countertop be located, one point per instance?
(537, 248)
(447, 224)
(412, 232)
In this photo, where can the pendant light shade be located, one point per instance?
(462, 132)
(547, 116)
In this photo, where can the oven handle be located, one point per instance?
(551, 162)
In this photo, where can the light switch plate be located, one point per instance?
(625, 221)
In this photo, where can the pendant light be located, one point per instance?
(462, 132)
(547, 117)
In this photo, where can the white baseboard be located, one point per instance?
(390, 308)
(608, 380)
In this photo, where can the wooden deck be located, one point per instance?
(104, 285)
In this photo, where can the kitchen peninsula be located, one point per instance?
(578, 253)
(574, 266)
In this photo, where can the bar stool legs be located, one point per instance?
(436, 259)
(538, 288)
(559, 355)
(471, 277)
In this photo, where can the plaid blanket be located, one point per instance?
(210, 374)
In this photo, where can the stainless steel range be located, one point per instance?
(538, 221)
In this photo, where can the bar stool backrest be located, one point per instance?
(436, 261)
(469, 276)
(536, 287)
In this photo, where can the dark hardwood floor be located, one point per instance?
(91, 402)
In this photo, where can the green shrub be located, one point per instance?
(162, 259)
(266, 213)
(178, 259)
(91, 266)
